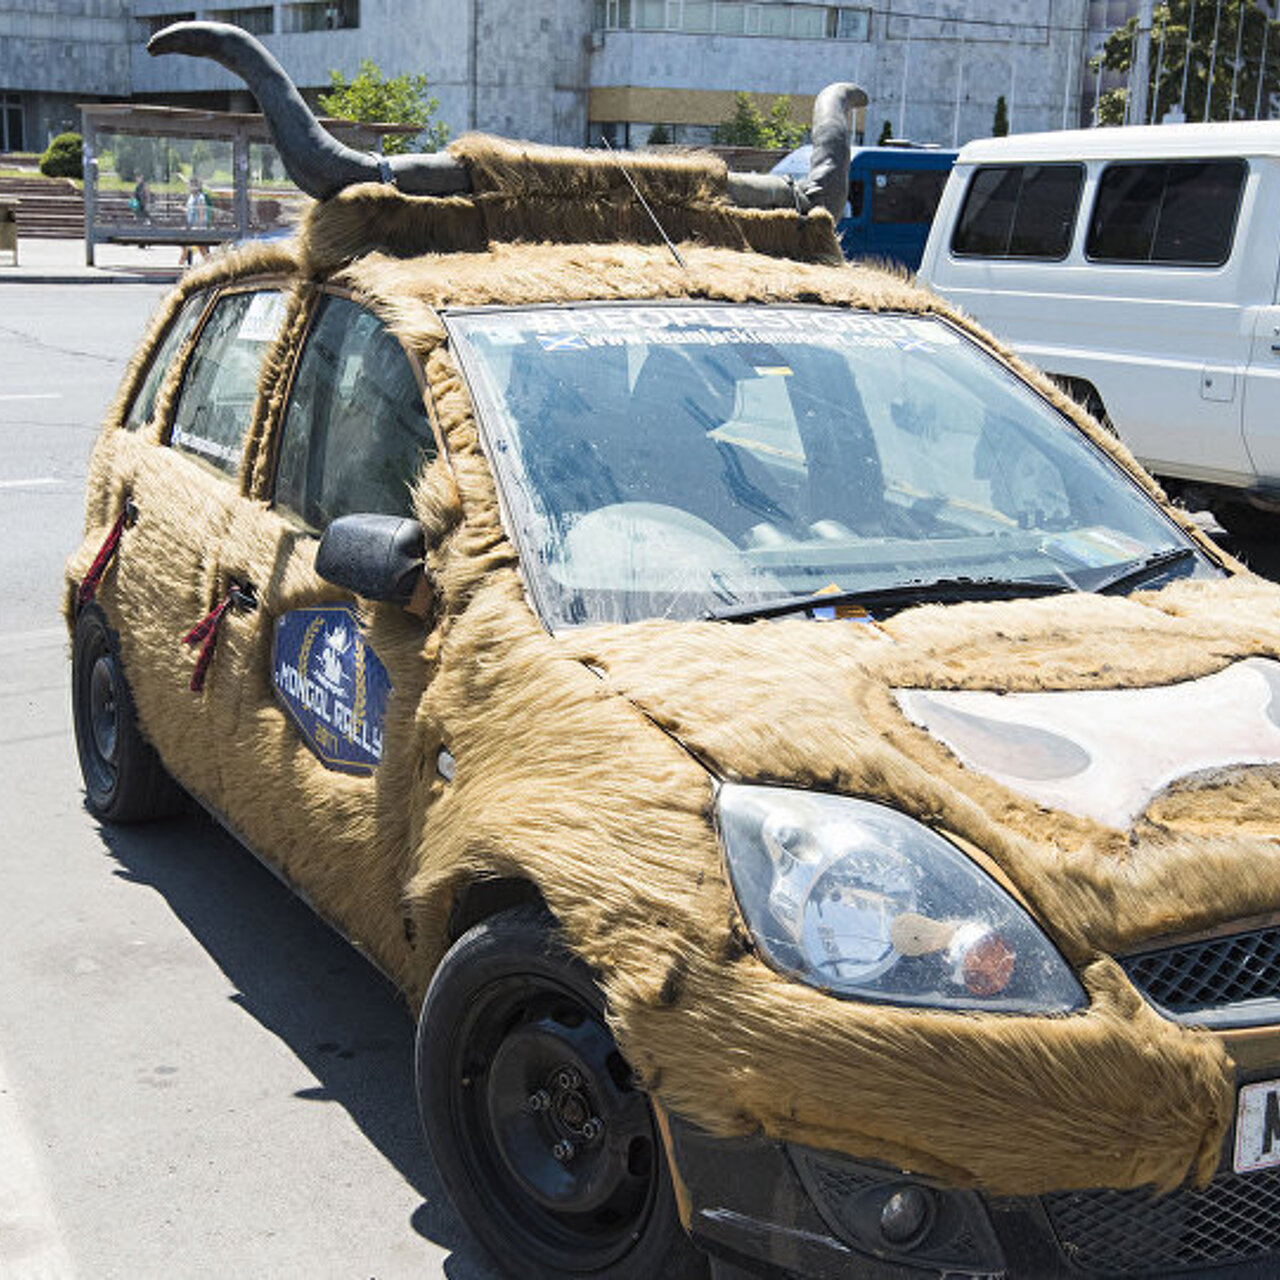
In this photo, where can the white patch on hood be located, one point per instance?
(1107, 753)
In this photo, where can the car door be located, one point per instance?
(184, 486)
(317, 753)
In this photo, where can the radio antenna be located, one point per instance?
(675, 253)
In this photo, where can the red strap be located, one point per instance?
(205, 634)
(89, 586)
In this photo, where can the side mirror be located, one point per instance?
(378, 557)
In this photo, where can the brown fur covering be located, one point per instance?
(552, 194)
(564, 780)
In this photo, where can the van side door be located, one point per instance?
(1262, 378)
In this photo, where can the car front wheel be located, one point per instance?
(550, 1152)
(124, 780)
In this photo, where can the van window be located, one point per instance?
(1181, 212)
(906, 195)
(1019, 211)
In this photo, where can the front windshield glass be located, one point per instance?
(673, 460)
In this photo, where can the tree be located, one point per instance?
(749, 127)
(659, 136)
(886, 133)
(401, 100)
(1000, 125)
(1170, 32)
(64, 157)
(136, 157)
(201, 159)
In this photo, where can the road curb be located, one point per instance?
(38, 277)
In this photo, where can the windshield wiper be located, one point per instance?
(1136, 572)
(885, 600)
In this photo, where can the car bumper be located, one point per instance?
(772, 1207)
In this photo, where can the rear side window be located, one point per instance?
(220, 387)
(1019, 211)
(356, 431)
(1181, 212)
(144, 403)
(906, 195)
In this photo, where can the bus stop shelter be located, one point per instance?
(139, 163)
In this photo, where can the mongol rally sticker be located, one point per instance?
(333, 686)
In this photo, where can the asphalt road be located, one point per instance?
(197, 1078)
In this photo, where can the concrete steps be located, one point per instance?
(48, 208)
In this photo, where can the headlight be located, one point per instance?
(860, 900)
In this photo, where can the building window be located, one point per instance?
(734, 18)
(1182, 213)
(303, 18)
(11, 135)
(731, 19)
(650, 15)
(851, 24)
(156, 22)
(614, 133)
(258, 21)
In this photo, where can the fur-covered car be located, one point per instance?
(820, 800)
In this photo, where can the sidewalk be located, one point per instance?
(62, 262)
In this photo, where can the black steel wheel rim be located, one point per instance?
(98, 714)
(559, 1143)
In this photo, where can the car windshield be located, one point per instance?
(680, 460)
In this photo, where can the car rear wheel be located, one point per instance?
(549, 1151)
(124, 780)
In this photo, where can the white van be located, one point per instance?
(1140, 268)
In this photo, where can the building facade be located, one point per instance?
(572, 71)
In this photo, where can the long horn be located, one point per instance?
(322, 166)
(827, 182)
(313, 157)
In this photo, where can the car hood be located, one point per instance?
(1118, 759)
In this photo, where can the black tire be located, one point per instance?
(513, 1057)
(1243, 520)
(124, 780)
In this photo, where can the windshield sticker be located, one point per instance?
(263, 320)
(562, 342)
(1095, 547)
(333, 686)
(209, 448)
(590, 327)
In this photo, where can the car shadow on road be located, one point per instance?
(305, 984)
(1262, 555)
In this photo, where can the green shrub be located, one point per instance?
(64, 157)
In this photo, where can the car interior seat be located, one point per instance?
(561, 401)
(676, 404)
(845, 477)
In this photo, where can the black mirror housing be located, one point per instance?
(375, 556)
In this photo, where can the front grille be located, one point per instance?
(1222, 982)
(1137, 1233)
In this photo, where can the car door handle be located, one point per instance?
(243, 596)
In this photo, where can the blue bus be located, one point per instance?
(893, 192)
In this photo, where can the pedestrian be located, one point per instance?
(199, 214)
(140, 201)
